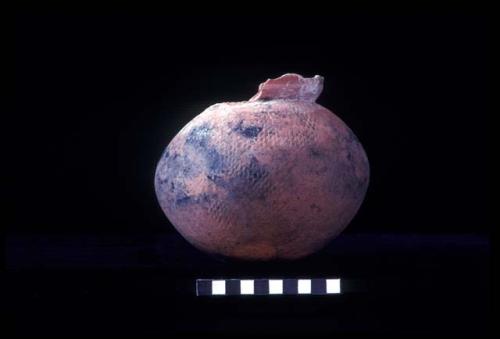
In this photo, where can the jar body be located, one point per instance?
(264, 179)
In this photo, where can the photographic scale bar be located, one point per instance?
(222, 287)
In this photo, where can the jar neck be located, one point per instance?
(290, 86)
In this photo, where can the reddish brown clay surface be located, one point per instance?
(275, 177)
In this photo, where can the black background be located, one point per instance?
(98, 98)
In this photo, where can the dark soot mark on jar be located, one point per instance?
(215, 179)
(248, 131)
(352, 186)
(179, 164)
(315, 208)
(182, 200)
(172, 162)
(339, 178)
(315, 153)
(162, 181)
(215, 160)
(321, 170)
(252, 181)
(349, 155)
(254, 172)
(199, 138)
(199, 135)
(204, 198)
(351, 137)
(262, 197)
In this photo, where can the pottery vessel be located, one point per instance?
(274, 177)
